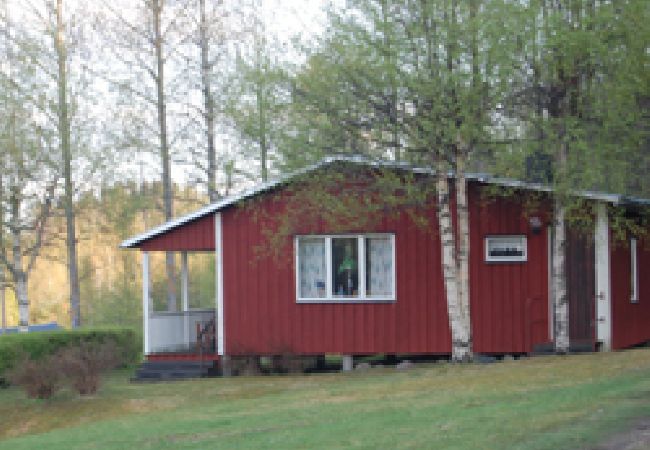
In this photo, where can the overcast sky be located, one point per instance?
(284, 19)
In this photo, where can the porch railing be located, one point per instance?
(182, 332)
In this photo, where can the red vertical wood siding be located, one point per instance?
(262, 316)
(197, 235)
(630, 321)
(509, 301)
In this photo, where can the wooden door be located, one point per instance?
(581, 289)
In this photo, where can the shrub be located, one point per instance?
(16, 347)
(39, 378)
(83, 364)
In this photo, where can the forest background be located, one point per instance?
(116, 116)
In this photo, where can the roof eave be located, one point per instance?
(224, 203)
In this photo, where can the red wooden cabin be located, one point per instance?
(390, 298)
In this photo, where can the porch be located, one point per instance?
(190, 332)
(185, 327)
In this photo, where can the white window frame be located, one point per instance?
(361, 251)
(634, 271)
(506, 259)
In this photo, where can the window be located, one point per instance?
(345, 265)
(345, 268)
(506, 249)
(634, 269)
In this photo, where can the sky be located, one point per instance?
(284, 19)
(288, 17)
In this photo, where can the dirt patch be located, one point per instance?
(635, 438)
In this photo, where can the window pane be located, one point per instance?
(379, 267)
(345, 267)
(505, 248)
(312, 273)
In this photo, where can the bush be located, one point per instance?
(83, 364)
(40, 378)
(35, 346)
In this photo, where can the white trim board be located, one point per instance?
(603, 278)
(218, 245)
(145, 302)
(330, 297)
(634, 269)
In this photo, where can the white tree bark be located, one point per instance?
(460, 330)
(19, 276)
(560, 300)
(462, 214)
(20, 284)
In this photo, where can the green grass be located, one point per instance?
(539, 403)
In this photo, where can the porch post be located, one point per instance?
(145, 301)
(603, 277)
(218, 237)
(185, 282)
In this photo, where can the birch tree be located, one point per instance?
(208, 101)
(146, 42)
(66, 162)
(61, 45)
(209, 59)
(29, 171)
(581, 103)
(418, 81)
(258, 94)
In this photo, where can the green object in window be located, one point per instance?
(348, 262)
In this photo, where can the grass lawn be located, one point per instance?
(538, 403)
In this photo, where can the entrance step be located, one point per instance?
(544, 348)
(173, 370)
(548, 348)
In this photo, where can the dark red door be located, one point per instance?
(581, 288)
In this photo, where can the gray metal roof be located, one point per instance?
(365, 161)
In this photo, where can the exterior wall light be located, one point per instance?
(535, 224)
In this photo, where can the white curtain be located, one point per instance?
(379, 267)
(312, 267)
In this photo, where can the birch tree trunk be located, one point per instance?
(64, 137)
(18, 273)
(462, 214)
(157, 6)
(460, 332)
(261, 65)
(20, 287)
(208, 102)
(560, 300)
(262, 127)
